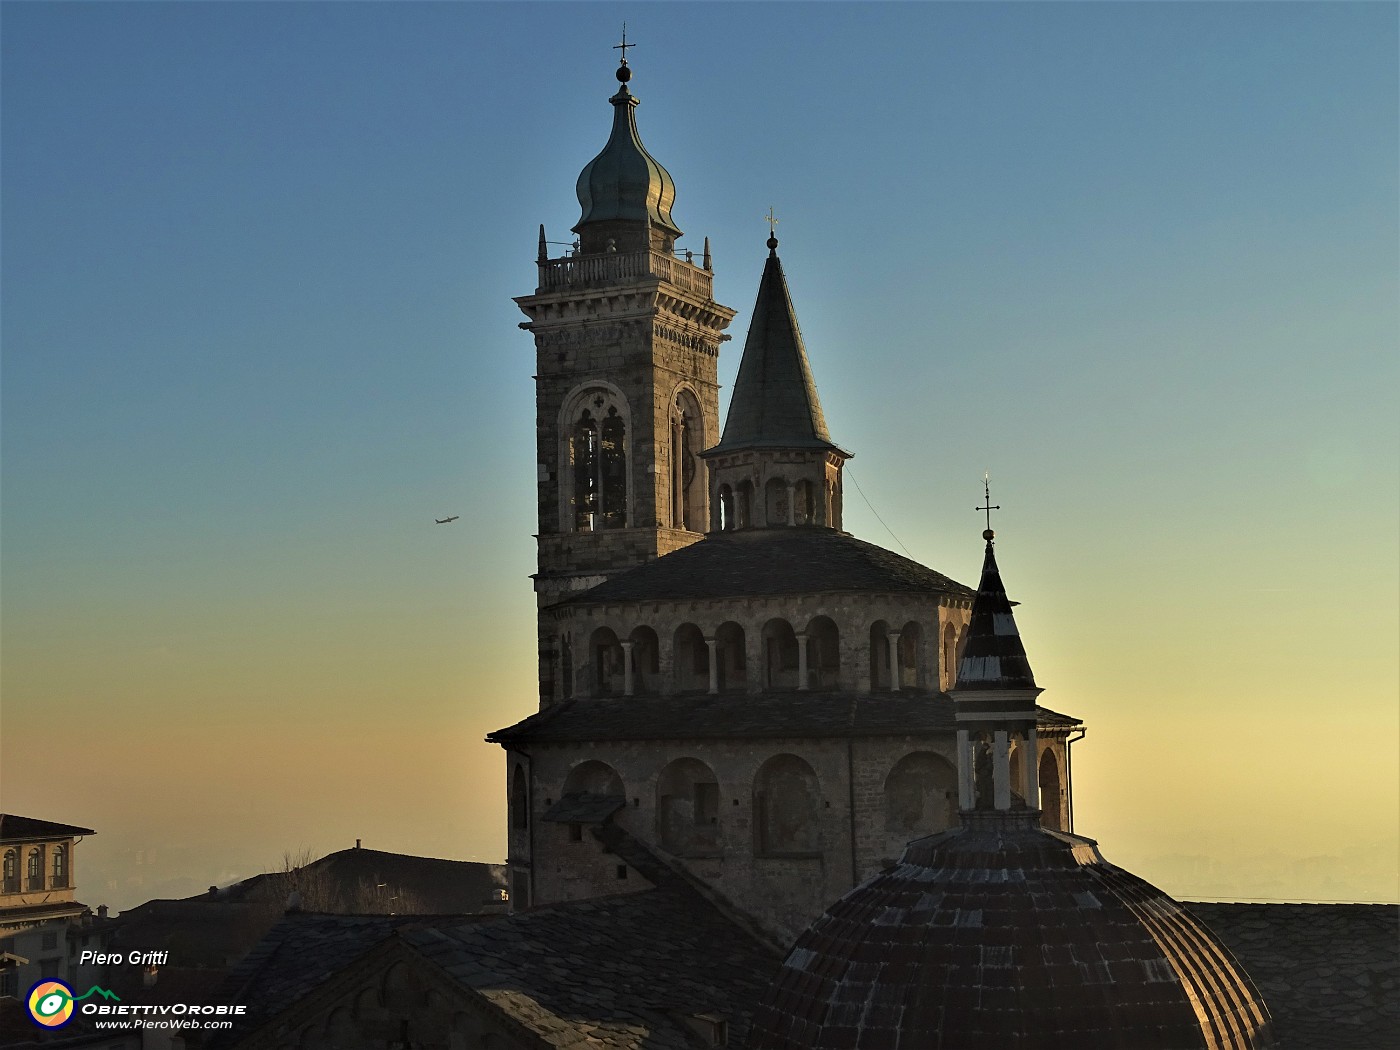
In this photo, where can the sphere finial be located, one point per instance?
(988, 535)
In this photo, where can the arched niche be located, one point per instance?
(687, 808)
(605, 655)
(733, 658)
(823, 653)
(879, 656)
(921, 795)
(690, 662)
(775, 502)
(646, 661)
(594, 778)
(780, 657)
(787, 806)
(911, 647)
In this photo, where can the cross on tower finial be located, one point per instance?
(987, 490)
(624, 45)
(772, 222)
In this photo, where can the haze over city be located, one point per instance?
(1138, 262)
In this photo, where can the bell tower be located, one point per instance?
(627, 337)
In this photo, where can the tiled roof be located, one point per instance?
(775, 400)
(704, 717)
(15, 829)
(1329, 972)
(1002, 934)
(769, 562)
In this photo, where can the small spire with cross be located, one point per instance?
(772, 230)
(624, 45)
(989, 507)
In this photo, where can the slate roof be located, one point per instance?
(615, 971)
(783, 560)
(438, 887)
(704, 717)
(775, 403)
(15, 829)
(621, 972)
(1329, 972)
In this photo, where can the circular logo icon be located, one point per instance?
(51, 1003)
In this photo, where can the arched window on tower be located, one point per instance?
(595, 469)
(950, 656)
(10, 882)
(60, 868)
(1050, 811)
(726, 509)
(804, 511)
(519, 800)
(743, 505)
(34, 870)
(687, 479)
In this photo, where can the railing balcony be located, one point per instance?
(58, 882)
(581, 271)
(34, 882)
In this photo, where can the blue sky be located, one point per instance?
(1139, 261)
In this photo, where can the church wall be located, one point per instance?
(785, 888)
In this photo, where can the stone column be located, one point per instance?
(965, 760)
(714, 664)
(893, 638)
(626, 668)
(1001, 769)
(802, 660)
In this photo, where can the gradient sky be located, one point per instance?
(1138, 261)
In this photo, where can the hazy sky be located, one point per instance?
(1139, 261)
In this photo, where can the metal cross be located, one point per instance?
(624, 45)
(772, 222)
(987, 488)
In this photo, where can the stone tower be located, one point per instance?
(726, 675)
(627, 336)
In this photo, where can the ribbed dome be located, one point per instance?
(1000, 934)
(624, 182)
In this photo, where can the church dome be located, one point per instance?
(1002, 934)
(625, 183)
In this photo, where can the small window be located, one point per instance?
(49, 941)
(575, 832)
(60, 867)
(622, 871)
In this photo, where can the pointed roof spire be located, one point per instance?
(993, 656)
(624, 181)
(775, 401)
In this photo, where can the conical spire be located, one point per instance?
(775, 400)
(625, 183)
(993, 656)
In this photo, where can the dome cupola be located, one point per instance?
(624, 192)
(1000, 934)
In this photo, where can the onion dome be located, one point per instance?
(775, 403)
(1001, 934)
(624, 182)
